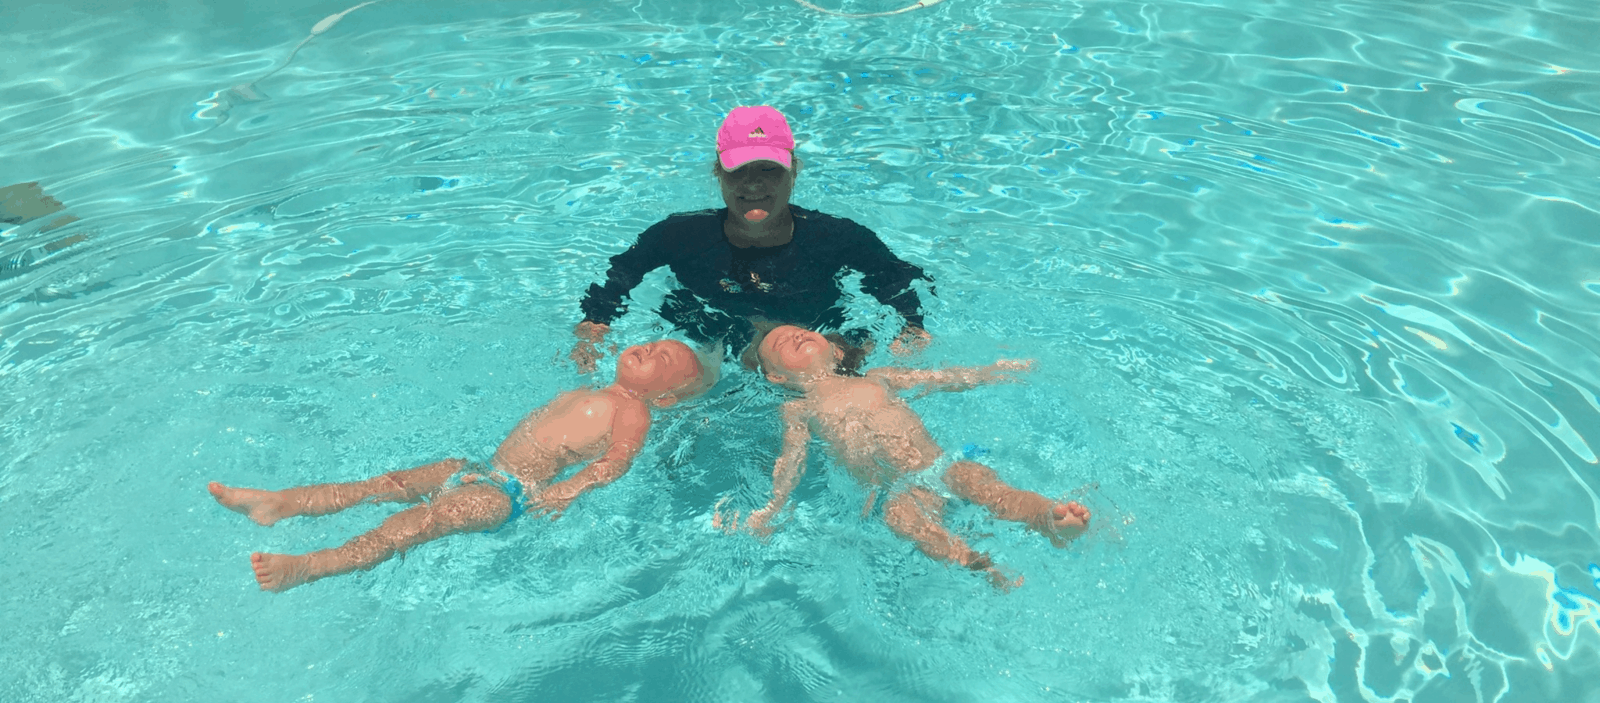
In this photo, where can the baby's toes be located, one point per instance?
(264, 575)
(1063, 516)
(1073, 513)
(1067, 522)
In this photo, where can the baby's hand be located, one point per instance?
(755, 523)
(553, 501)
(1005, 370)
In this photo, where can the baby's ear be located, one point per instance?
(774, 378)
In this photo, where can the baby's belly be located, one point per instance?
(878, 457)
(537, 462)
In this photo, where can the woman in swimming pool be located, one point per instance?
(759, 262)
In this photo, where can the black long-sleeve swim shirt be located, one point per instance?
(721, 285)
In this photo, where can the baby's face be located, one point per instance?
(789, 350)
(658, 367)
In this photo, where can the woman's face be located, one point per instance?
(756, 190)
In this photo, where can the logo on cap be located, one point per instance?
(758, 134)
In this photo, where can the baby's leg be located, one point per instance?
(470, 508)
(918, 515)
(267, 507)
(1060, 522)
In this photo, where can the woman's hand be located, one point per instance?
(585, 353)
(912, 339)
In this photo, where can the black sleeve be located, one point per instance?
(884, 275)
(603, 303)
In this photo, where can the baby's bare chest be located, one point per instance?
(575, 426)
(862, 412)
(854, 397)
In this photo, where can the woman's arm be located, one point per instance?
(603, 303)
(888, 278)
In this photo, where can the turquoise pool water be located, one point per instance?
(1314, 290)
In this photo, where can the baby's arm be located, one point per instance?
(958, 378)
(629, 425)
(786, 472)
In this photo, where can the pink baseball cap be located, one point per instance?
(755, 134)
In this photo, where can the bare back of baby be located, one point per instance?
(573, 428)
(869, 429)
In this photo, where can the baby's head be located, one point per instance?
(664, 372)
(791, 355)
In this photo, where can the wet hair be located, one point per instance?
(850, 362)
(761, 364)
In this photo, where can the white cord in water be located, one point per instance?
(915, 6)
(248, 90)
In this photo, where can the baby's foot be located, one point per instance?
(264, 507)
(280, 572)
(1000, 579)
(1062, 523)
